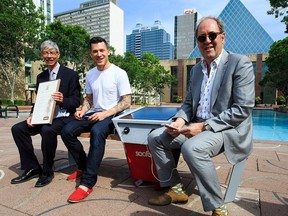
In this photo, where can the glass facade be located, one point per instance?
(47, 7)
(94, 18)
(153, 39)
(99, 18)
(184, 30)
(244, 35)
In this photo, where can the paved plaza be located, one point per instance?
(263, 189)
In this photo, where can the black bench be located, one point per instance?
(13, 108)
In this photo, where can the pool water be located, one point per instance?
(270, 125)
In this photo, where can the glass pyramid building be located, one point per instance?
(244, 35)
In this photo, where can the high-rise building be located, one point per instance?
(244, 33)
(100, 18)
(47, 7)
(184, 30)
(153, 39)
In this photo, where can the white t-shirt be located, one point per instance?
(107, 86)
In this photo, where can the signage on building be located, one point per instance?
(189, 11)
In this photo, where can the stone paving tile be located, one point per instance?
(273, 166)
(282, 156)
(265, 181)
(273, 203)
(263, 189)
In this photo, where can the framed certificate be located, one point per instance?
(44, 106)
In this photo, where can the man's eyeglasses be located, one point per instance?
(45, 53)
(212, 36)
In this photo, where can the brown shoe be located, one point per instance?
(167, 198)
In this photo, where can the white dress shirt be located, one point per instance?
(204, 106)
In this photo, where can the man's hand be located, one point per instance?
(192, 130)
(175, 128)
(79, 114)
(98, 116)
(58, 97)
(28, 121)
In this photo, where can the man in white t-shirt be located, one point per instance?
(108, 93)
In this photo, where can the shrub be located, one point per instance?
(20, 102)
(258, 100)
(5, 102)
(280, 100)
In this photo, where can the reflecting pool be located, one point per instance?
(270, 125)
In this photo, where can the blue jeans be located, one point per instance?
(98, 134)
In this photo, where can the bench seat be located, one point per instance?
(110, 136)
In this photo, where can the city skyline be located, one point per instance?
(165, 11)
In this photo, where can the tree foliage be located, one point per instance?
(277, 63)
(146, 75)
(73, 42)
(20, 25)
(154, 77)
(279, 9)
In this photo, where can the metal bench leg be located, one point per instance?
(17, 112)
(71, 162)
(234, 181)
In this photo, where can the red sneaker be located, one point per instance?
(75, 175)
(78, 195)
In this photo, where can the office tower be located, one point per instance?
(184, 30)
(153, 39)
(47, 6)
(100, 18)
(244, 34)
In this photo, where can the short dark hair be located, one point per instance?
(95, 40)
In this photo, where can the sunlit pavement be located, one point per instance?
(263, 189)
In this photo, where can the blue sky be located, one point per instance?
(147, 11)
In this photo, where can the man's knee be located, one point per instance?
(69, 131)
(152, 136)
(47, 130)
(14, 129)
(189, 151)
(17, 128)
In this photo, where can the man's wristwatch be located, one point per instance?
(207, 127)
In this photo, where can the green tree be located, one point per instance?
(133, 67)
(277, 75)
(279, 9)
(20, 25)
(73, 42)
(154, 77)
(146, 75)
(115, 59)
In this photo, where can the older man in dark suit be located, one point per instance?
(216, 116)
(67, 100)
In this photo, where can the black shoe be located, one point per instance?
(26, 176)
(44, 180)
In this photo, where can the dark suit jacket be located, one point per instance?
(232, 102)
(69, 87)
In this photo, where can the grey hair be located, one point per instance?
(50, 45)
(217, 20)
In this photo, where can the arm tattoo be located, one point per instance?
(124, 103)
(87, 104)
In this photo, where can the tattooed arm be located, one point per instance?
(123, 104)
(86, 105)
